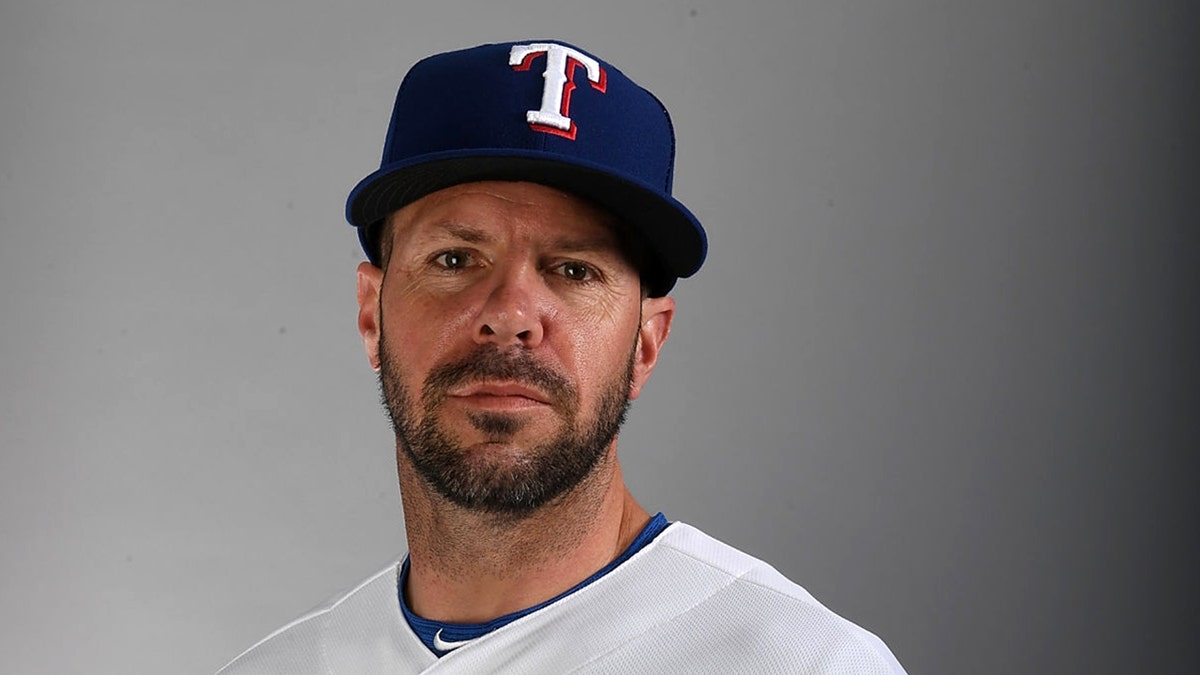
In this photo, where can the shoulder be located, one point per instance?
(726, 562)
(747, 602)
(303, 645)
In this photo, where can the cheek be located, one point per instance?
(419, 324)
(599, 343)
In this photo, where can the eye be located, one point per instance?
(576, 271)
(453, 260)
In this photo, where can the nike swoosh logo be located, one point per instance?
(446, 645)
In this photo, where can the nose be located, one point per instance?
(511, 314)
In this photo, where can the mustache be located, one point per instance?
(488, 362)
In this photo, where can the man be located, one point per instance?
(522, 239)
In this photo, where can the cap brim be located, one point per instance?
(672, 234)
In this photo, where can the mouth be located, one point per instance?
(499, 395)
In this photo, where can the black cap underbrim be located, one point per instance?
(672, 235)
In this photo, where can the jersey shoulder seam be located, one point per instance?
(674, 617)
(860, 635)
(751, 563)
(318, 612)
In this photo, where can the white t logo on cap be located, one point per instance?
(556, 93)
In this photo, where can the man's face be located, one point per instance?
(509, 332)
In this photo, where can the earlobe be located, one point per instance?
(369, 284)
(656, 327)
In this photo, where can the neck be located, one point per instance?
(471, 567)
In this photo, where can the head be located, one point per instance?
(521, 239)
(511, 331)
(542, 112)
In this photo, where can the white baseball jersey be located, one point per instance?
(685, 603)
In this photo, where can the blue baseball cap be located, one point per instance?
(540, 111)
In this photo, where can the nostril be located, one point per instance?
(487, 330)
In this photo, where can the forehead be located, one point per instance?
(527, 209)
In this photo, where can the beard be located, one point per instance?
(500, 483)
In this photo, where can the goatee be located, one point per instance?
(501, 485)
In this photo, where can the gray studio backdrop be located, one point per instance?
(938, 369)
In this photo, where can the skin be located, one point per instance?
(519, 266)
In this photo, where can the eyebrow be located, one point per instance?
(566, 244)
(576, 245)
(467, 233)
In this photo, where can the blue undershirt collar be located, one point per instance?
(441, 638)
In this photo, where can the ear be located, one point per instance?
(656, 326)
(370, 283)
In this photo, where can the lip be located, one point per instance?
(500, 392)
